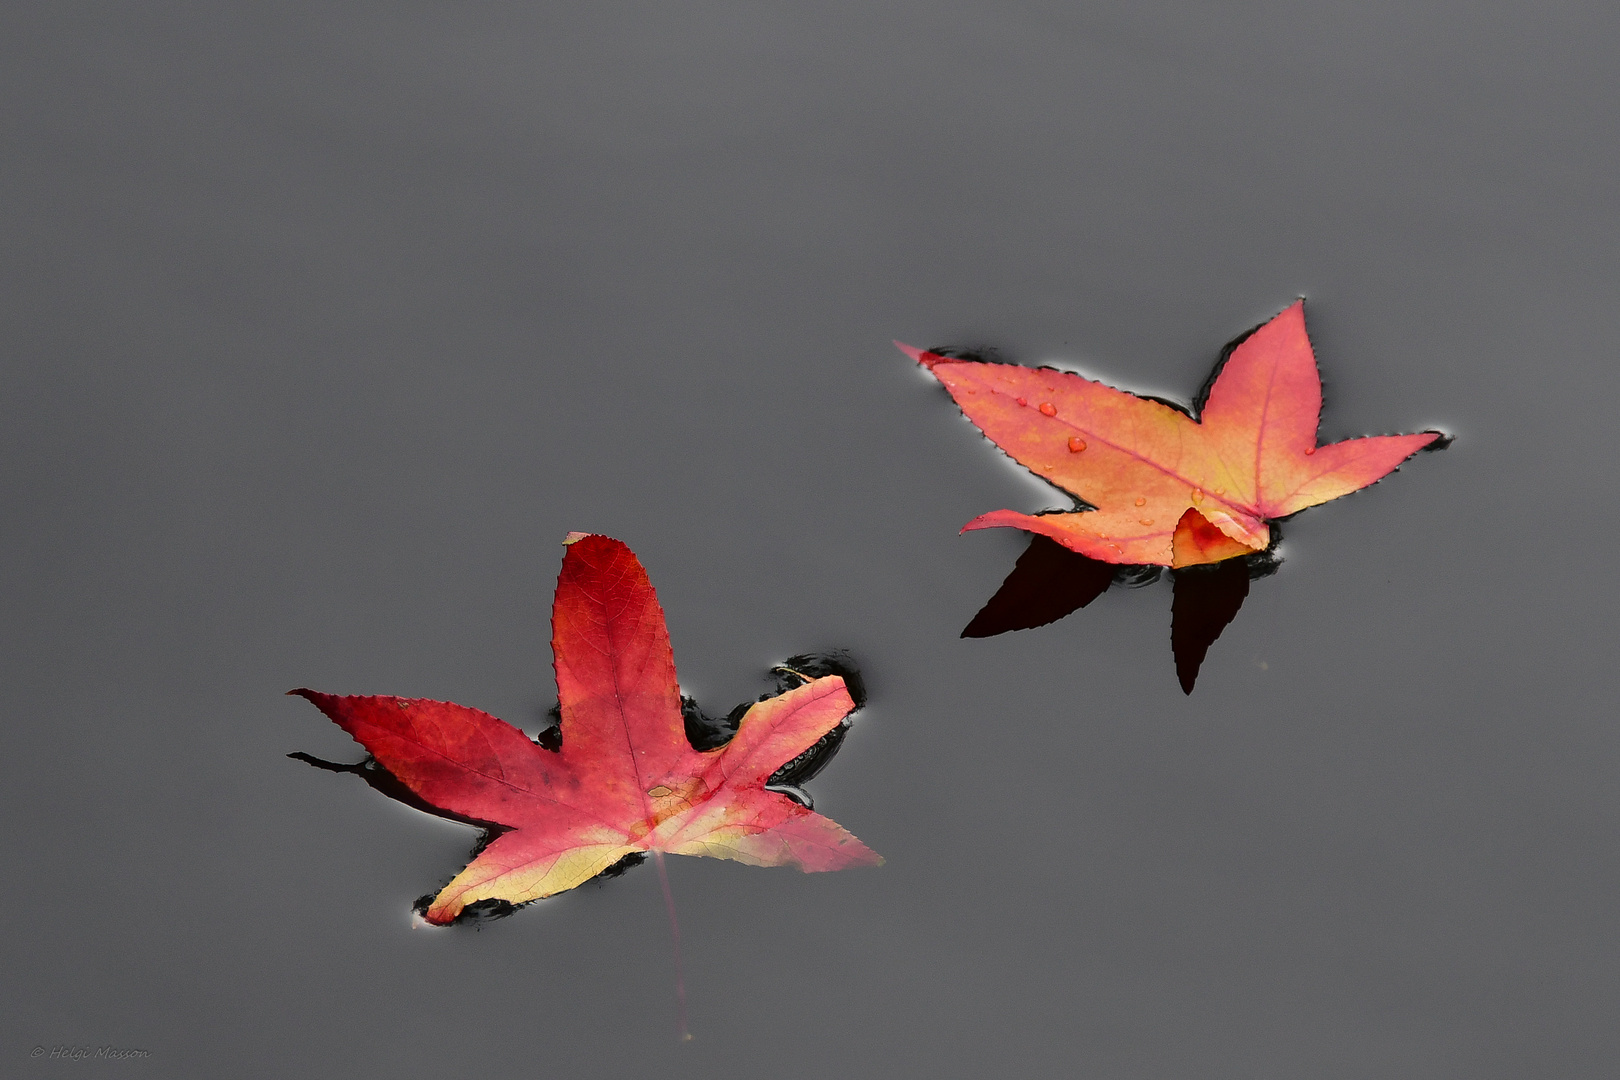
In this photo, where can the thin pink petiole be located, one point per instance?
(675, 936)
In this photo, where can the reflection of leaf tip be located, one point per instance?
(1441, 441)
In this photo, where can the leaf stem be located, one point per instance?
(675, 937)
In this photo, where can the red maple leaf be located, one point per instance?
(1165, 488)
(626, 779)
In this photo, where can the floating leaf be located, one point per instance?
(625, 779)
(1162, 487)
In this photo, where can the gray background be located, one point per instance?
(324, 323)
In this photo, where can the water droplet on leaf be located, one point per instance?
(1076, 444)
(1048, 409)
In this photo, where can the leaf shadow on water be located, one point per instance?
(703, 731)
(1049, 582)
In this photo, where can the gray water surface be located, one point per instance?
(323, 324)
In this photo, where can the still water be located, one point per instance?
(322, 327)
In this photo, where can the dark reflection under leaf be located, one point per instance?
(706, 732)
(703, 732)
(1049, 581)
(1206, 599)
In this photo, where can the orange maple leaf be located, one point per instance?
(626, 779)
(1165, 488)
